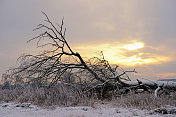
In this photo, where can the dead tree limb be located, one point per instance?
(51, 64)
(58, 59)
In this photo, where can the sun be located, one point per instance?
(126, 54)
(134, 46)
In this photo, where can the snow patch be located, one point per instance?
(100, 110)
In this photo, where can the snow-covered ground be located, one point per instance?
(100, 110)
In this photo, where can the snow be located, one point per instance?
(100, 110)
(156, 91)
(158, 83)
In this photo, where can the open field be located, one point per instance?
(63, 95)
(99, 110)
(66, 102)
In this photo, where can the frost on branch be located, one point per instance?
(58, 63)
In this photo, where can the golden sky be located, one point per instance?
(125, 54)
(137, 34)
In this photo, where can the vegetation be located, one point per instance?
(59, 63)
(63, 95)
(60, 76)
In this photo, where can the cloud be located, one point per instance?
(166, 75)
(126, 54)
(100, 25)
(104, 26)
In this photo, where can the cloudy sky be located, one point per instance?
(137, 34)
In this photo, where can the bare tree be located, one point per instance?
(51, 65)
(59, 63)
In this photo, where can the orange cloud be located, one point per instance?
(128, 53)
(166, 75)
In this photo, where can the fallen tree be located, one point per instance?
(58, 63)
(159, 87)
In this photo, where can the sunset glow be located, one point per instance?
(137, 34)
(134, 46)
(166, 75)
(117, 53)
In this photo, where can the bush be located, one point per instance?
(72, 95)
(64, 95)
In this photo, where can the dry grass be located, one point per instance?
(60, 95)
(144, 101)
(71, 96)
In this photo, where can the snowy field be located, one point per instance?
(100, 110)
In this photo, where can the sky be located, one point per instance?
(138, 34)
